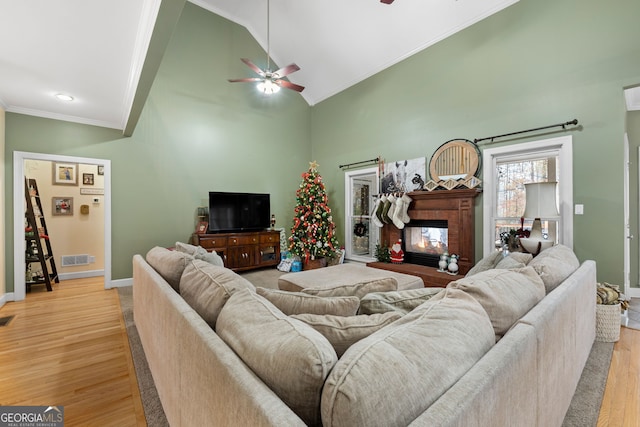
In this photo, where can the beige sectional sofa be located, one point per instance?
(503, 347)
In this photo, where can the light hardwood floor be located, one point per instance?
(69, 347)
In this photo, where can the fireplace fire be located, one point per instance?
(423, 241)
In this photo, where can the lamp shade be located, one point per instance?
(541, 200)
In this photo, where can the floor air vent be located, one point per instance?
(4, 321)
(69, 260)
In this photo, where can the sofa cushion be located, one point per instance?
(506, 295)
(342, 332)
(522, 257)
(486, 263)
(554, 265)
(508, 263)
(198, 252)
(395, 374)
(358, 289)
(206, 288)
(169, 264)
(400, 301)
(290, 357)
(298, 303)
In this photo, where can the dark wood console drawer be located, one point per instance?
(270, 237)
(212, 242)
(243, 239)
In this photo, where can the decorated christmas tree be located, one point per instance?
(313, 230)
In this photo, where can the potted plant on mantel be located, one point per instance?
(313, 237)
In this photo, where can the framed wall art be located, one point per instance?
(65, 173)
(62, 206)
(87, 179)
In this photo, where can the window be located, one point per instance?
(507, 169)
(361, 236)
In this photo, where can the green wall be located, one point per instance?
(197, 133)
(536, 63)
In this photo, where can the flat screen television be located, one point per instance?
(230, 212)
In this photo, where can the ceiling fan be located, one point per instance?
(270, 81)
(386, 1)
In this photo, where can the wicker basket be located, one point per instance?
(607, 322)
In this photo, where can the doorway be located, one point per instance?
(19, 173)
(361, 236)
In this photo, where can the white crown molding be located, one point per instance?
(63, 117)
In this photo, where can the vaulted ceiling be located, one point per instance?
(95, 51)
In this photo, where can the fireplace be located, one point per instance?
(423, 241)
(431, 212)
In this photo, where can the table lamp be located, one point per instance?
(540, 203)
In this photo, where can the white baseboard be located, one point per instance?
(120, 283)
(5, 298)
(633, 292)
(80, 274)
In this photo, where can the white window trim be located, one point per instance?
(490, 156)
(374, 233)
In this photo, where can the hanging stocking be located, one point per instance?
(389, 208)
(380, 209)
(406, 201)
(374, 213)
(398, 213)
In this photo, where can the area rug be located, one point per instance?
(153, 411)
(583, 411)
(585, 405)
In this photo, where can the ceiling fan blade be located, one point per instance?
(253, 66)
(285, 71)
(248, 79)
(386, 1)
(289, 85)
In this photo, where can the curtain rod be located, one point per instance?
(572, 122)
(377, 159)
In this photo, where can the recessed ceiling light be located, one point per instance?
(64, 97)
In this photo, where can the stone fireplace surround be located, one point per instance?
(454, 206)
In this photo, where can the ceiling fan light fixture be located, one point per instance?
(268, 87)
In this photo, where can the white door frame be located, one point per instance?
(18, 214)
(374, 234)
(627, 224)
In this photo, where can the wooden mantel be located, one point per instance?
(454, 206)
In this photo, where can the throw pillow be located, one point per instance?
(290, 357)
(506, 295)
(396, 373)
(554, 265)
(206, 288)
(342, 332)
(298, 303)
(198, 252)
(169, 264)
(355, 289)
(401, 301)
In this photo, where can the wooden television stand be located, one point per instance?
(243, 250)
